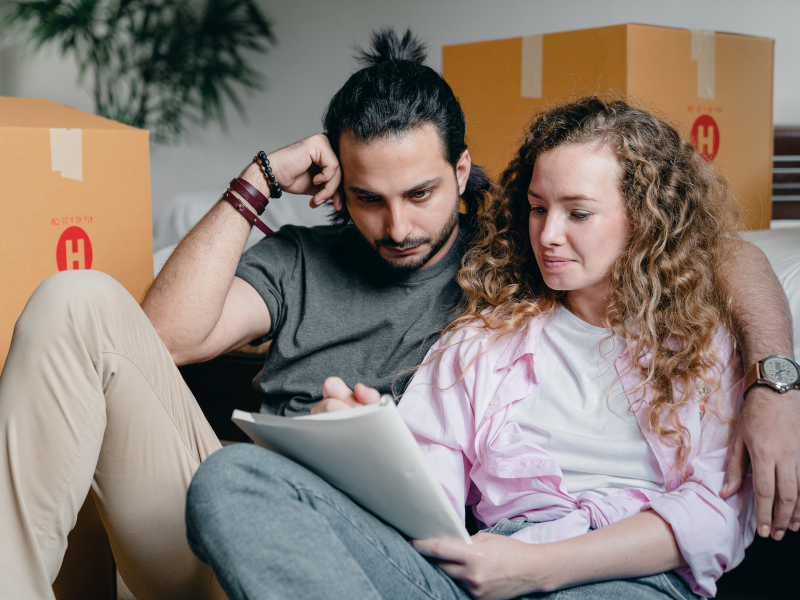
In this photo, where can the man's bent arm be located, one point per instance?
(196, 304)
(768, 430)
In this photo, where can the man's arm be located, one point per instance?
(768, 431)
(196, 304)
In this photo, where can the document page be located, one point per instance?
(368, 453)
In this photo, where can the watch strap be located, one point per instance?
(752, 376)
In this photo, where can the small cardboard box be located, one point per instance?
(74, 194)
(716, 88)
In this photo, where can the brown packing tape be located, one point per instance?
(532, 60)
(704, 48)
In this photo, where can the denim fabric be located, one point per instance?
(271, 529)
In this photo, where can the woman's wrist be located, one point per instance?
(550, 567)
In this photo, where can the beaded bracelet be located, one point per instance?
(263, 163)
(247, 214)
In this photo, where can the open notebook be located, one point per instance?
(369, 454)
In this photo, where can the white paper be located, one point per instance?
(368, 453)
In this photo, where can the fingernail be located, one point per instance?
(763, 531)
(794, 526)
(724, 489)
(778, 535)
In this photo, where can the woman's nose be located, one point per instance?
(553, 230)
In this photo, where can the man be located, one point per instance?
(90, 395)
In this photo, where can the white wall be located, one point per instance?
(313, 59)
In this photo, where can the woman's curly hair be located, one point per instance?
(667, 296)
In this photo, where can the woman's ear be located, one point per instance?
(463, 167)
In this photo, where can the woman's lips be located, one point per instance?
(555, 262)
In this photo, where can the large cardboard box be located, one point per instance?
(74, 194)
(716, 88)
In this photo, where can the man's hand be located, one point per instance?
(309, 167)
(337, 396)
(493, 567)
(768, 434)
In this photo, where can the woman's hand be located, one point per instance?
(337, 396)
(309, 167)
(493, 567)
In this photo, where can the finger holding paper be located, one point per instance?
(337, 396)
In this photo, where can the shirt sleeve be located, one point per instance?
(271, 268)
(437, 409)
(711, 533)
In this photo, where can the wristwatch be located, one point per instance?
(778, 372)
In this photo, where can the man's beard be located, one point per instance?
(437, 243)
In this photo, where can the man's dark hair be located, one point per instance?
(393, 94)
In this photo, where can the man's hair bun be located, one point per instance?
(385, 46)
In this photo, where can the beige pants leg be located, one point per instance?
(89, 396)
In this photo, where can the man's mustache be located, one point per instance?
(406, 243)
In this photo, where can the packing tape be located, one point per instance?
(66, 152)
(704, 52)
(532, 66)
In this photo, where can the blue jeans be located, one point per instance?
(272, 529)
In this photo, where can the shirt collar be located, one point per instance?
(521, 345)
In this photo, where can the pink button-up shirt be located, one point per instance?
(457, 407)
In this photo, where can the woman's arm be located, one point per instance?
(496, 567)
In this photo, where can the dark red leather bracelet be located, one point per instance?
(247, 213)
(250, 193)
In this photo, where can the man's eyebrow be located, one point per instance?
(423, 185)
(361, 191)
(416, 188)
(573, 198)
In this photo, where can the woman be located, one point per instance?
(590, 383)
(581, 402)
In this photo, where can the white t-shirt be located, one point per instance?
(591, 433)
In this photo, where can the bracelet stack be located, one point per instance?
(263, 163)
(255, 198)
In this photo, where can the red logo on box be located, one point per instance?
(74, 250)
(705, 137)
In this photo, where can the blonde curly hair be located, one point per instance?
(667, 296)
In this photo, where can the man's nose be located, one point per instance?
(398, 221)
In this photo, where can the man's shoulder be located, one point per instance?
(318, 234)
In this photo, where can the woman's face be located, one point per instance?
(578, 225)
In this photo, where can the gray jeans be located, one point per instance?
(271, 529)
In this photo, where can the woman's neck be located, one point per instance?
(588, 304)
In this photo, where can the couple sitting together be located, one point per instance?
(583, 399)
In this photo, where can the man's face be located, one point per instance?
(403, 195)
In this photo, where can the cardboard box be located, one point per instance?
(716, 88)
(74, 194)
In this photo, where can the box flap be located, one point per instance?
(35, 113)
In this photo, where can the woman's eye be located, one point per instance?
(580, 216)
(369, 199)
(538, 210)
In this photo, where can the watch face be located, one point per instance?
(780, 370)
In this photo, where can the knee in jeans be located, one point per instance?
(233, 469)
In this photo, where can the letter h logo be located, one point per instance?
(74, 250)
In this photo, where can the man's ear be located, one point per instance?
(463, 167)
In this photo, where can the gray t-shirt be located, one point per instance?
(336, 310)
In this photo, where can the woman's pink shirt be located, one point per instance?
(457, 407)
